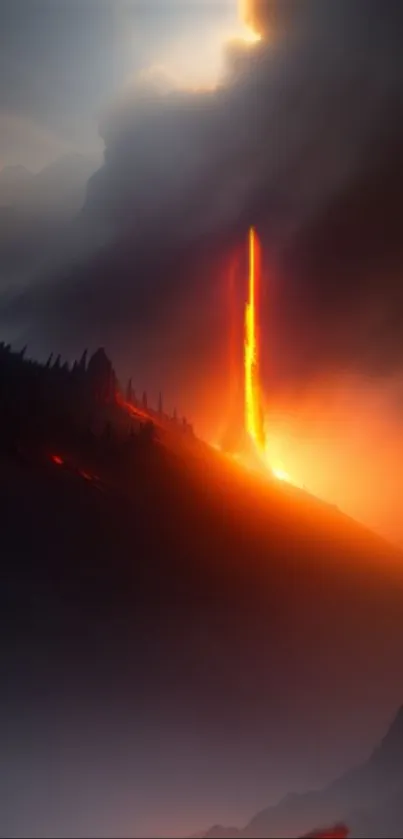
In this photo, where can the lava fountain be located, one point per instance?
(245, 433)
(254, 424)
(253, 393)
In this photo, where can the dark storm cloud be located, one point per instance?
(305, 140)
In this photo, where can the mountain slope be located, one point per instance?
(369, 799)
(182, 621)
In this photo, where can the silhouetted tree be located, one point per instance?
(101, 377)
(51, 401)
(83, 361)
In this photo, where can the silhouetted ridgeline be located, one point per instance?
(52, 402)
(369, 799)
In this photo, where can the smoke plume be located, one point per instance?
(303, 139)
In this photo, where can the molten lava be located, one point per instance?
(57, 460)
(281, 474)
(253, 411)
(248, 32)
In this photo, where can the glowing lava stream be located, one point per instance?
(253, 413)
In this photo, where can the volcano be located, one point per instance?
(182, 626)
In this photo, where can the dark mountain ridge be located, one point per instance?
(369, 799)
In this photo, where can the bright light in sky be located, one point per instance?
(196, 59)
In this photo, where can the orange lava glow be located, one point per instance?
(340, 439)
(134, 410)
(264, 447)
(337, 438)
(57, 460)
(253, 413)
(337, 832)
(281, 474)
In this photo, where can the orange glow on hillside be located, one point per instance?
(234, 332)
(253, 413)
(281, 474)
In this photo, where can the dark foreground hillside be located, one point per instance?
(181, 642)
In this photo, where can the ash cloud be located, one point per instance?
(303, 139)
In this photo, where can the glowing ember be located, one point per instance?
(253, 413)
(57, 460)
(134, 410)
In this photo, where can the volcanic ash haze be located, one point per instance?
(302, 139)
